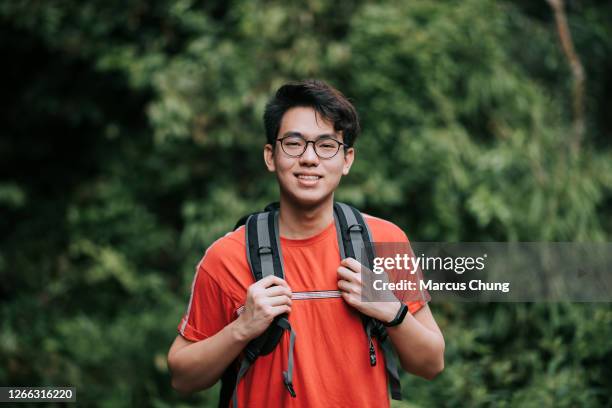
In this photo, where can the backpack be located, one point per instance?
(265, 258)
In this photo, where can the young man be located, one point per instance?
(311, 128)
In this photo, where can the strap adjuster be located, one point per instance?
(251, 355)
(353, 229)
(264, 250)
(288, 384)
(372, 353)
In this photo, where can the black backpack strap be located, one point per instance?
(263, 246)
(392, 370)
(354, 234)
(288, 375)
(354, 238)
(265, 258)
(269, 207)
(228, 382)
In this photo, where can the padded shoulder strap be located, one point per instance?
(353, 234)
(354, 238)
(265, 258)
(263, 247)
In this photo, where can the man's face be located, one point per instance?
(307, 180)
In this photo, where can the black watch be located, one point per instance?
(399, 317)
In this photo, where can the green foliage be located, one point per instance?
(133, 140)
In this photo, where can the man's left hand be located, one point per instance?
(351, 288)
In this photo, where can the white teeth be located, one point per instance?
(301, 176)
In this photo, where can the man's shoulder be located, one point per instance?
(383, 230)
(228, 250)
(228, 242)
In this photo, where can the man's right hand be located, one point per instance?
(199, 365)
(265, 300)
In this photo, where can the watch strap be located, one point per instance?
(399, 317)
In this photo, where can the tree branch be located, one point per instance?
(577, 72)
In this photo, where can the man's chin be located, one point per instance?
(309, 201)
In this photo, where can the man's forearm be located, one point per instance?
(199, 365)
(420, 349)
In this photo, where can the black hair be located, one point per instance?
(327, 101)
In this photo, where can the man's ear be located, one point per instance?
(268, 153)
(349, 157)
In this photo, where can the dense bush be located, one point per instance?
(132, 139)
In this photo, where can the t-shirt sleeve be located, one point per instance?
(424, 297)
(387, 232)
(210, 309)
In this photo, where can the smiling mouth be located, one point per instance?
(307, 177)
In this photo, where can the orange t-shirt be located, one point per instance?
(331, 359)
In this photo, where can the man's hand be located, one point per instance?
(351, 288)
(265, 300)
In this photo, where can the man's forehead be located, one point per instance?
(307, 122)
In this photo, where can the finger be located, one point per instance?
(277, 291)
(348, 298)
(279, 300)
(272, 280)
(279, 310)
(349, 275)
(350, 287)
(343, 285)
(351, 263)
(345, 273)
(355, 266)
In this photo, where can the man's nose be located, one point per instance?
(309, 156)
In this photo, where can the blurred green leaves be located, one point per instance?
(133, 140)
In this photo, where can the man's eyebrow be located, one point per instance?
(324, 135)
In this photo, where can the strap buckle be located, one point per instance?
(288, 384)
(355, 228)
(264, 250)
(379, 331)
(372, 353)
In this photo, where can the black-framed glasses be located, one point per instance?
(296, 145)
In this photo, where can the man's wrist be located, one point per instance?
(391, 311)
(239, 332)
(399, 316)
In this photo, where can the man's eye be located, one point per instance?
(327, 146)
(293, 144)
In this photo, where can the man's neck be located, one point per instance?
(296, 222)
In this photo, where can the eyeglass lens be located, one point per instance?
(324, 147)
